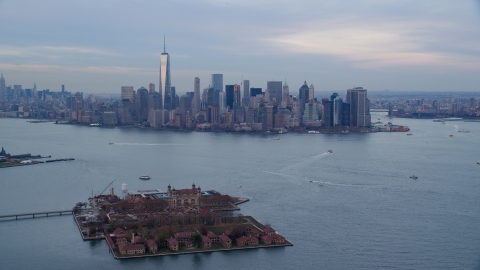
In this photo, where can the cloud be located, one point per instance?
(49, 51)
(118, 70)
(369, 45)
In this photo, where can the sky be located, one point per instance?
(96, 46)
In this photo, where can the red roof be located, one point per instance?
(151, 243)
(187, 191)
(268, 229)
(206, 239)
(211, 234)
(223, 237)
(246, 238)
(172, 241)
(138, 239)
(129, 246)
(119, 231)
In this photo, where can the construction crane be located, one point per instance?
(105, 188)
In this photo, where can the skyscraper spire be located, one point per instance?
(164, 48)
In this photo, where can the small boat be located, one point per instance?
(451, 135)
(320, 184)
(464, 131)
(329, 151)
(144, 177)
(276, 138)
(413, 176)
(110, 143)
(409, 134)
(478, 162)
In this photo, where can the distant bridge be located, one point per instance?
(46, 214)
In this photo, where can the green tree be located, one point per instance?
(197, 239)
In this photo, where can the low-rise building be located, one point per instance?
(172, 244)
(206, 242)
(131, 249)
(225, 241)
(275, 239)
(247, 241)
(152, 246)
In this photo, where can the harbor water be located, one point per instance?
(368, 214)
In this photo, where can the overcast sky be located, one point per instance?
(100, 45)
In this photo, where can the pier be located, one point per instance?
(46, 214)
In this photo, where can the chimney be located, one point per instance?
(111, 192)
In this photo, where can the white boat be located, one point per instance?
(413, 176)
(276, 138)
(320, 184)
(464, 131)
(144, 177)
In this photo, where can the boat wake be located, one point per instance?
(150, 144)
(304, 163)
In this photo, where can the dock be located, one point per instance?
(36, 214)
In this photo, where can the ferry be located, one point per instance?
(144, 177)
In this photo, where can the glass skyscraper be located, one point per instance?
(165, 82)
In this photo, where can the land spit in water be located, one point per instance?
(157, 223)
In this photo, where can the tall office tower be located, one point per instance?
(255, 91)
(217, 82)
(246, 93)
(336, 109)
(269, 113)
(310, 113)
(63, 89)
(297, 108)
(34, 90)
(327, 116)
(213, 114)
(128, 93)
(345, 114)
(151, 88)
(303, 94)
(125, 111)
(3, 89)
(311, 92)
(165, 82)
(285, 95)
(236, 93)
(141, 104)
(230, 96)
(196, 96)
(275, 90)
(359, 107)
(222, 101)
(210, 96)
(239, 114)
(185, 106)
(173, 98)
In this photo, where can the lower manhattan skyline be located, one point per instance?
(398, 46)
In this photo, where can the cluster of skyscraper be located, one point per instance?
(224, 106)
(218, 106)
